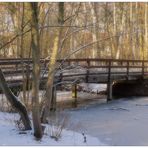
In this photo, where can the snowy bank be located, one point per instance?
(11, 136)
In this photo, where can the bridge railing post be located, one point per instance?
(143, 68)
(16, 67)
(127, 70)
(61, 77)
(60, 80)
(69, 63)
(109, 85)
(87, 71)
(27, 76)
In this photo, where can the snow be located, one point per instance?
(121, 122)
(10, 135)
(93, 87)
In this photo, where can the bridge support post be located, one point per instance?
(109, 91)
(109, 84)
(74, 94)
(87, 72)
(60, 81)
(143, 69)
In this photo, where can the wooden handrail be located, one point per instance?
(103, 63)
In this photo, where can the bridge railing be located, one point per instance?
(124, 66)
(93, 66)
(86, 69)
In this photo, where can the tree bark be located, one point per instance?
(36, 70)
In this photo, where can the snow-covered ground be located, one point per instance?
(120, 122)
(10, 135)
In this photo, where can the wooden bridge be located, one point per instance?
(74, 71)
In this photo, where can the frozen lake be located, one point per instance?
(120, 122)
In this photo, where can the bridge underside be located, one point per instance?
(16, 85)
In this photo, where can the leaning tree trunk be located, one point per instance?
(16, 104)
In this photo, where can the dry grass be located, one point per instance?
(57, 122)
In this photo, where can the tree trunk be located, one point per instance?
(36, 71)
(22, 55)
(131, 32)
(20, 107)
(96, 48)
(52, 65)
(146, 29)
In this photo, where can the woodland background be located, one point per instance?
(120, 29)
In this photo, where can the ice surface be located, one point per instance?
(120, 122)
